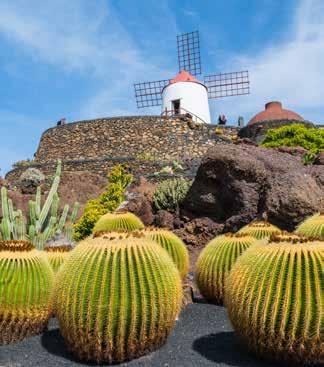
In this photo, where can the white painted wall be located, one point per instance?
(193, 98)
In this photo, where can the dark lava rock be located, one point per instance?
(319, 160)
(164, 219)
(238, 183)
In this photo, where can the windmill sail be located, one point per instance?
(189, 52)
(149, 94)
(227, 84)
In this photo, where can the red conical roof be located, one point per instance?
(184, 76)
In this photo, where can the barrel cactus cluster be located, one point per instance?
(123, 221)
(26, 283)
(216, 261)
(312, 226)
(57, 255)
(274, 299)
(260, 229)
(117, 299)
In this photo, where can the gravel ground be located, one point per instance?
(202, 337)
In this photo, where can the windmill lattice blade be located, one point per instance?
(227, 84)
(189, 52)
(149, 94)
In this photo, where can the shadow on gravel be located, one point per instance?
(223, 348)
(53, 342)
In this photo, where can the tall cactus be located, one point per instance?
(117, 299)
(43, 222)
(274, 298)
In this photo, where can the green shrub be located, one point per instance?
(308, 159)
(170, 193)
(118, 180)
(295, 135)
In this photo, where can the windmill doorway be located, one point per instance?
(176, 106)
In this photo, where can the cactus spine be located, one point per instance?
(312, 226)
(117, 299)
(259, 229)
(57, 255)
(274, 298)
(173, 245)
(44, 221)
(216, 261)
(26, 282)
(112, 222)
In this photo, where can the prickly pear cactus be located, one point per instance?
(312, 226)
(259, 229)
(117, 299)
(57, 255)
(274, 298)
(124, 221)
(173, 245)
(26, 284)
(216, 261)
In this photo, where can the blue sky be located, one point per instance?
(79, 59)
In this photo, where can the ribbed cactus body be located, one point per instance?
(274, 298)
(216, 261)
(56, 255)
(117, 299)
(26, 283)
(173, 245)
(111, 222)
(259, 229)
(312, 226)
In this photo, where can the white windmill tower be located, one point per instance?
(186, 95)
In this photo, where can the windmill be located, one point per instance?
(184, 94)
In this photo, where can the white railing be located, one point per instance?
(183, 112)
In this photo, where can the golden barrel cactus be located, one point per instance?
(216, 261)
(312, 226)
(260, 229)
(57, 255)
(26, 284)
(123, 221)
(117, 299)
(173, 245)
(274, 297)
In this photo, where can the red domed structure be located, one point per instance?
(274, 111)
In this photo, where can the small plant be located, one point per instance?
(259, 229)
(117, 299)
(274, 299)
(23, 163)
(43, 222)
(295, 135)
(118, 180)
(147, 156)
(219, 131)
(26, 283)
(216, 261)
(170, 193)
(173, 245)
(312, 226)
(112, 222)
(308, 159)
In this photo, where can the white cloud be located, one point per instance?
(291, 72)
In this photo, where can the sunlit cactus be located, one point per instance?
(216, 261)
(117, 299)
(173, 245)
(259, 229)
(57, 255)
(312, 226)
(124, 221)
(274, 298)
(26, 283)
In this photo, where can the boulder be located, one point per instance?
(238, 183)
(319, 160)
(30, 180)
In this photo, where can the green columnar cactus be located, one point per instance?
(274, 297)
(312, 226)
(117, 299)
(216, 261)
(259, 229)
(44, 221)
(173, 245)
(57, 255)
(124, 221)
(26, 282)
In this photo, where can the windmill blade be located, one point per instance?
(149, 94)
(189, 52)
(227, 84)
